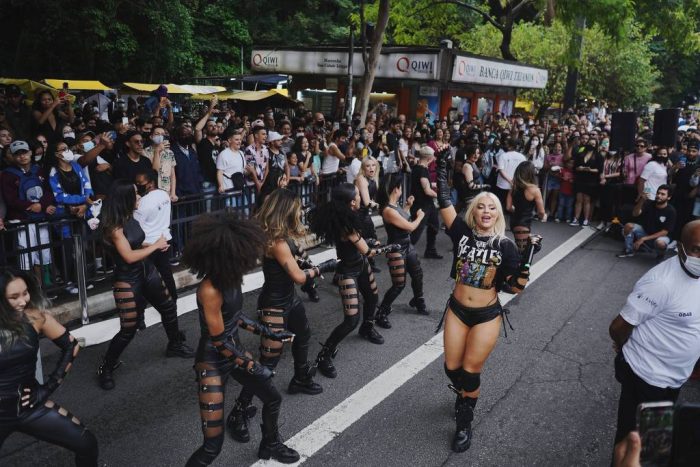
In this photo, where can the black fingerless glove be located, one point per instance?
(327, 266)
(443, 188)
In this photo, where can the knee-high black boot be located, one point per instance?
(464, 414)
(271, 445)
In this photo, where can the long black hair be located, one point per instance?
(223, 248)
(387, 185)
(118, 207)
(10, 321)
(335, 219)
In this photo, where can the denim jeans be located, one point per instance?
(565, 210)
(650, 245)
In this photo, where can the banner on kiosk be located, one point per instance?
(418, 66)
(476, 70)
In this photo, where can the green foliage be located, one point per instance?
(421, 22)
(619, 71)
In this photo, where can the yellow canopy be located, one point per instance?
(144, 87)
(30, 87)
(527, 105)
(202, 89)
(77, 85)
(248, 96)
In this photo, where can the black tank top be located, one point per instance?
(135, 236)
(17, 359)
(347, 253)
(278, 286)
(231, 311)
(395, 234)
(523, 209)
(476, 177)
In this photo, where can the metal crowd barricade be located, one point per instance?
(64, 252)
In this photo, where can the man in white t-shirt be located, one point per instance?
(354, 167)
(654, 175)
(231, 163)
(153, 215)
(657, 333)
(507, 162)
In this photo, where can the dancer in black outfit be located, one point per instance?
(337, 223)
(398, 229)
(485, 262)
(24, 403)
(279, 306)
(136, 280)
(522, 200)
(220, 251)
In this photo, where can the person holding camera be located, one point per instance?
(657, 333)
(50, 115)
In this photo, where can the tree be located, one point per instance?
(619, 71)
(372, 58)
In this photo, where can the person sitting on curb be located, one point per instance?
(657, 218)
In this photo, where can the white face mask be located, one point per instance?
(88, 146)
(157, 139)
(691, 263)
(68, 155)
(70, 134)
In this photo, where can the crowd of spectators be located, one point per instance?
(59, 157)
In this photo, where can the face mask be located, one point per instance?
(157, 139)
(455, 127)
(70, 134)
(68, 155)
(691, 263)
(38, 157)
(141, 189)
(88, 145)
(535, 143)
(590, 147)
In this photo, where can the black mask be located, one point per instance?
(590, 147)
(141, 189)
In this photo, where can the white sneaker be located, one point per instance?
(601, 226)
(557, 221)
(585, 223)
(574, 223)
(672, 246)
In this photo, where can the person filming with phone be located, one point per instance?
(657, 334)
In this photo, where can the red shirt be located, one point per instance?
(567, 182)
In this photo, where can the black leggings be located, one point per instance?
(401, 262)
(161, 260)
(212, 379)
(131, 300)
(521, 234)
(54, 424)
(349, 285)
(292, 318)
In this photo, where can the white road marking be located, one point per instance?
(103, 331)
(315, 436)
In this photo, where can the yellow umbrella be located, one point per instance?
(77, 85)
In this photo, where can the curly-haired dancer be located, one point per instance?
(337, 223)
(398, 228)
(279, 306)
(215, 240)
(485, 261)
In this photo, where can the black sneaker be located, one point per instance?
(368, 331)
(178, 348)
(625, 254)
(432, 255)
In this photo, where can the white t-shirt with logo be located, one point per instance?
(153, 215)
(665, 343)
(353, 170)
(654, 175)
(508, 162)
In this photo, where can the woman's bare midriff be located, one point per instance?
(474, 298)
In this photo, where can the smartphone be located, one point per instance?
(113, 135)
(336, 126)
(655, 426)
(125, 120)
(686, 429)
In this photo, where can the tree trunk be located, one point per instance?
(505, 41)
(372, 59)
(549, 12)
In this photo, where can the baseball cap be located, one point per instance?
(18, 146)
(273, 136)
(87, 133)
(13, 90)
(257, 122)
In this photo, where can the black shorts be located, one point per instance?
(634, 391)
(473, 316)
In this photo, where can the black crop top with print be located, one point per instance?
(479, 262)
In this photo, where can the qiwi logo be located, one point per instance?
(406, 65)
(266, 60)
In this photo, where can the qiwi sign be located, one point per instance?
(477, 70)
(394, 65)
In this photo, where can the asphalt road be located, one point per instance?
(548, 393)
